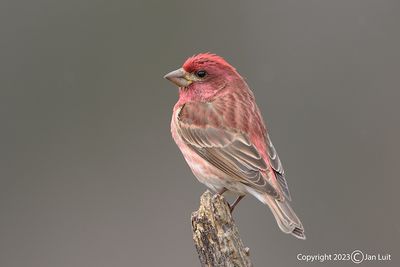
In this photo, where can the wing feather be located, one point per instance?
(229, 150)
(277, 167)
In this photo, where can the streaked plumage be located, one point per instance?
(219, 129)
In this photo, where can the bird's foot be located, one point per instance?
(232, 207)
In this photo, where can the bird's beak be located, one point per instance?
(179, 77)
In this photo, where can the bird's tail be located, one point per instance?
(286, 218)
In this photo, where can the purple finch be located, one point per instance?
(218, 126)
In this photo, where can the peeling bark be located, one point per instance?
(216, 236)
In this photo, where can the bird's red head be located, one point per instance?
(202, 76)
(205, 60)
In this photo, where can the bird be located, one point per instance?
(221, 133)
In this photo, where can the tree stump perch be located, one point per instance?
(216, 236)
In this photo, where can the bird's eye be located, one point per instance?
(201, 73)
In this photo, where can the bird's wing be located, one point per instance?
(276, 165)
(229, 150)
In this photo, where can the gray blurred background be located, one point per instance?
(90, 175)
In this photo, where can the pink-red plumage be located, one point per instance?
(196, 62)
(218, 127)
